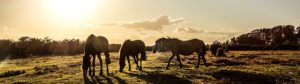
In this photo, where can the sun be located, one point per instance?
(71, 9)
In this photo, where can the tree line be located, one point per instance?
(282, 37)
(28, 46)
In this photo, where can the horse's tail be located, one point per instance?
(143, 56)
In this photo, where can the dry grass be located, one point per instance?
(237, 67)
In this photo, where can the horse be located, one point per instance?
(179, 47)
(132, 48)
(94, 46)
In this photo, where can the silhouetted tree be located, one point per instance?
(5, 48)
(278, 37)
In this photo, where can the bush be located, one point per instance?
(220, 52)
(214, 47)
(27, 46)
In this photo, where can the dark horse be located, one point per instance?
(95, 46)
(181, 47)
(132, 48)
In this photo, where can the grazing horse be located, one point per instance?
(179, 47)
(95, 46)
(132, 48)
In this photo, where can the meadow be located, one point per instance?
(237, 67)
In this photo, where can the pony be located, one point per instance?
(179, 47)
(94, 46)
(132, 48)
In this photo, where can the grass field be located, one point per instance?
(237, 67)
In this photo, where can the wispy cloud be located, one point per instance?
(156, 24)
(189, 29)
(3, 27)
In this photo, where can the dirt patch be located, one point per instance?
(12, 73)
(40, 70)
(247, 56)
(285, 62)
(21, 83)
(226, 62)
(226, 76)
(75, 64)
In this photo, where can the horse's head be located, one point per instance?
(158, 45)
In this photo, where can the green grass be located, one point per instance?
(278, 66)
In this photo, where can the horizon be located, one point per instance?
(118, 20)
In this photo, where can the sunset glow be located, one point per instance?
(142, 19)
(72, 9)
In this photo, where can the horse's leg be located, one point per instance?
(136, 61)
(107, 61)
(129, 67)
(170, 61)
(198, 60)
(94, 56)
(141, 64)
(178, 59)
(100, 60)
(136, 58)
(203, 58)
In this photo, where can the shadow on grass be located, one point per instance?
(160, 78)
(227, 76)
(103, 80)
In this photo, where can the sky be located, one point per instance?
(147, 20)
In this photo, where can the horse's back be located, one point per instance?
(133, 46)
(197, 43)
(190, 46)
(96, 44)
(139, 44)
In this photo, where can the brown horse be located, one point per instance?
(181, 47)
(95, 46)
(132, 48)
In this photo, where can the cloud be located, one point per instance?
(152, 24)
(222, 33)
(189, 29)
(110, 24)
(158, 24)
(3, 27)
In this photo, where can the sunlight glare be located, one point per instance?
(72, 9)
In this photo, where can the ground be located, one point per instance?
(237, 67)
